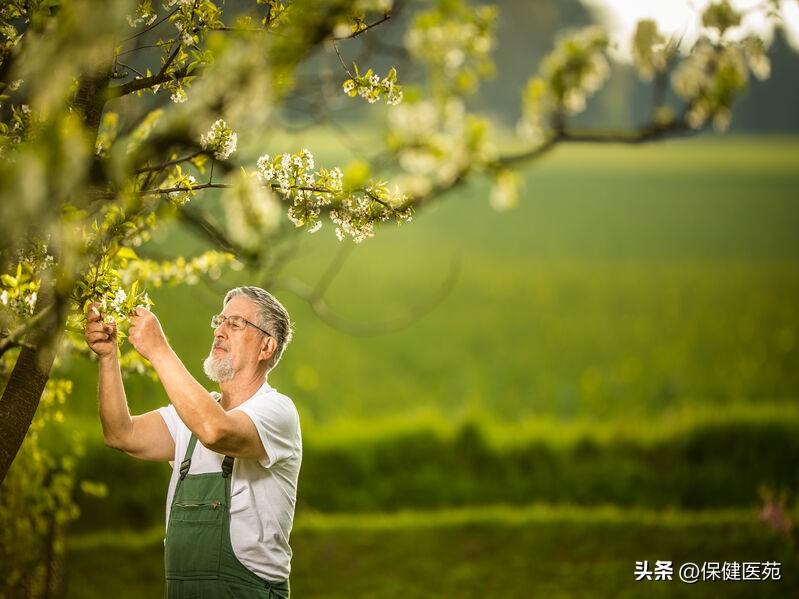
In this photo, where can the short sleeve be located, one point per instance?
(171, 418)
(276, 421)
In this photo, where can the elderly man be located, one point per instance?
(231, 498)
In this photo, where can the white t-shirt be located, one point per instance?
(263, 492)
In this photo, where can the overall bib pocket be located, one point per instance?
(194, 539)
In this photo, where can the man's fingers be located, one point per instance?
(98, 336)
(138, 312)
(94, 312)
(94, 327)
(141, 311)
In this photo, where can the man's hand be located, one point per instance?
(145, 333)
(101, 337)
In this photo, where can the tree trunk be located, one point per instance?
(28, 378)
(32, 369)
(20, 400)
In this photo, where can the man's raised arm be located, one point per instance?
(232, 433)
(145, 437)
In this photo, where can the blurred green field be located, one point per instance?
(628, 281)
(536, 551)
(628, 335)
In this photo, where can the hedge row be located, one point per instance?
(707, 466)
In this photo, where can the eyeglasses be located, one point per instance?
(236, 323)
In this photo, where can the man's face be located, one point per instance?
(233, 351)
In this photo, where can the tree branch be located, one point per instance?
(7, 343)
(130, 68)
(118, 91)
(211, 232)
(150, 27)
(325, 313)
(169, 60)
(341, 60)
(158, 167)
(646, 133)
(335, 266)
(144, 47)
(386, 17)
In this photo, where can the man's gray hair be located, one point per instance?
(272, 317)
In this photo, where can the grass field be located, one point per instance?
(537, 551)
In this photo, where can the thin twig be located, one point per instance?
(386, 17)
(361, 329)
(169, 60)
(150, 27)
(225, 28)
(341, 60)
(13, 338)
(130, 68)
(158, 167)
(159, 45)
(344, 251)
(201, 222)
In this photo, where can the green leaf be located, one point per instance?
(127, 253)
(8, 280)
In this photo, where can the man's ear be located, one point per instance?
(269, 348)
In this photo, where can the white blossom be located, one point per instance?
(179, 96)
(119, 298)
(182, 196)
(307, 158)
(394, 97)
(266, 171)
(221, 139)
(31, 301)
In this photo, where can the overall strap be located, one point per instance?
(227, 463)
(227, 466)
(186, 463)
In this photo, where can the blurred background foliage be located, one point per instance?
(493, 403)
(624, 337)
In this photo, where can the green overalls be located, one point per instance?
(198, 555)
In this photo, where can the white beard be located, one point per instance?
(218, 370)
